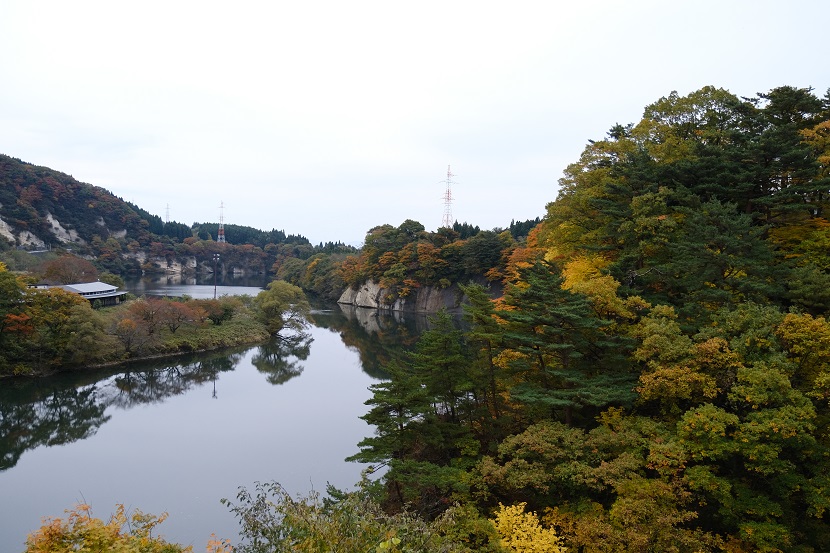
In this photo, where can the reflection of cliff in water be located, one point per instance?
(378, 336)
(153, 282)
(70, 407)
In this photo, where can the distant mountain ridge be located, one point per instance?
(41, 208)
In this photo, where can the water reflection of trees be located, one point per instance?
(67, 408)
(155, 384)
(71, 407)
(64, 416)
(280, 358)
(379, 337)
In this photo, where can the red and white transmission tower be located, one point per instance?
(220, 234)
(447, 221)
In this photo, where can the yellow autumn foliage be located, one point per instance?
(521, 532)
(583, 275)
(80, 531)
(819, 138)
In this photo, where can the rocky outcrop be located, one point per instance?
(24, 238)
(6, 231)
(62, 234)
(29, 240)
(427, 299)
(172, 265)
(57, 233)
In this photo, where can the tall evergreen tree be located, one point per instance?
(562, 358)
(484, 339)
(422, 415)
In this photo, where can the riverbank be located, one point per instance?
(145, 328)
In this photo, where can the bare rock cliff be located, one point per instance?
(423, 300)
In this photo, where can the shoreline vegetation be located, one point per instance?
(49, 331)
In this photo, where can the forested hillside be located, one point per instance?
(405, 258)
(656, 376)
(32, 197)
(43, 208)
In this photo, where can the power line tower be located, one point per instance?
(447, 221)
(220, 234)
(167, 215)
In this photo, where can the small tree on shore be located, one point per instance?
(281, 306)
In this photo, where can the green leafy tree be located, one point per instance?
(743, 395)
(112, 279)
(56, 316)
(282, 306)
(617, 487)
(441, 364)
(718, 258)
(422, 416)
(273, 521)
(483, 252)
(15, 324)
(485, 343)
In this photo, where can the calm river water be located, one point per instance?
(177, 436)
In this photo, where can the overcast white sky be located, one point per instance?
(328, 118)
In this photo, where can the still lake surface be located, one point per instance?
(178, 435)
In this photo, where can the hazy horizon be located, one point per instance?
(327, 119)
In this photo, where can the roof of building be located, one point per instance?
(93, 289)
(90, 287)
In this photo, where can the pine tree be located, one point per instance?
(562, 356)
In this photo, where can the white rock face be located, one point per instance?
(26, 238)
(367, 295)
(61, 233)
(422, 300)
(180, 265)
(348, 296)
(174, 267)
(7, 232)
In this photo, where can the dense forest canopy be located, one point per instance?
(710, 200)
(656, 376)
(405, 258)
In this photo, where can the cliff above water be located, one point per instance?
(427, 299)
